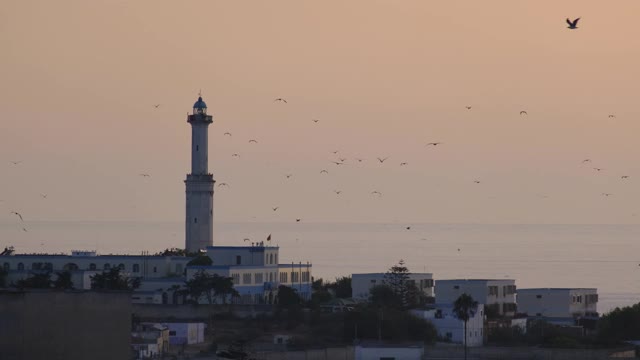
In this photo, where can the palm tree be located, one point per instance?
(465, 308)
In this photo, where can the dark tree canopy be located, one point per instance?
(465, 307)
(38, 280)
(211, 286)
(201, 260)
(113, 280)
(63, 282)
(384, 296)
(620, 324)
(288, 297)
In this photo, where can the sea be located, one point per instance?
(606, 257)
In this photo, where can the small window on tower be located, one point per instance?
(195, 220)
(197, 148)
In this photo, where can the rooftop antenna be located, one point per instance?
(200, 92)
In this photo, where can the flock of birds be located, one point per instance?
(340, 161)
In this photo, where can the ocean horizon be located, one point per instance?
(602, 256)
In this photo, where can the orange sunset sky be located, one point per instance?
(78, 81)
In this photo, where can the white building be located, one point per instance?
(361, 284)
(558, 302)
(199, 183)
(383, 351)
(499, 296)
(184, 332)
(451, 328)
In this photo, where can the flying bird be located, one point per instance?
(377, 193)
(227, 134)
(338, 162)
(360, 160)
(156, 106)
(468, 107)
(235, 155)
(523, 112)
(324, 171)
(403, 163)
(18, 214)
(611, 116)
(281, 99)
(606, 194)
(289, 175)
(433, 144)
(573, 24)
(598, 169)
(44, 196)
(15, 162)
(253, 141)
(298, 220)
(586, 160)
(338, 192)
(275, 208)
(476, 181)
(408, 228)
(269, 237)
(24, 229)
(315, 120)
(247, 239)
(335, 152)
(223, 184)
(382, 160)
(342, 159)
(145, 175)
(624, 177)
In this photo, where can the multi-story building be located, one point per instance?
(569, 303)
(361, 284)
(499, 296)
(450, 328)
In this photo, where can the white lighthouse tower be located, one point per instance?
(199, 183)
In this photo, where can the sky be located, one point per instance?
(384, 78)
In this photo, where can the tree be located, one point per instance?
(288, 297)
(114, 280)
(201, 260)
(383, 296)
(465, 308)
(38, 280)
(398, 279)
(211, 286)
(63, 281)
(620, 324)
(341, 287)
(3, 277)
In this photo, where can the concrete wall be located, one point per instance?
(447, 291)
(560, 303)
(362, 283)
(65, 325)
(412, 353)
(158, 313)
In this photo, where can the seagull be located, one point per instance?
(18, 214)
(376, 192)
(598, 169)
(281, 99)
(611, 116)
(468, 107)
(145, 175)
(289, 175)
(382, 160)
(298, 220)
(275, 208)
(156, 106)
(44, 196)
(15, 162)
(269, 237)
(235, 155)
(342, 159)
(315, 120)
(586, 160)
(624, 177)
(403, 163)
(523, 112)
(223, 184)
(573, 24)
(338, 163)
(434, 143)
(247, 239)
(606, 194)
(335, 152)
(24, 229)
(360, 160)
(408, 228)
(324, 171)
(338, 192)
(476, 181)
(227, 134)
(253, 141)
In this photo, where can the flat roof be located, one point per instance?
(262, 247)
(475, 280)
(555, 289)
(413, 273)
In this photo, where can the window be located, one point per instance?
(107, 266)
(195, 220)
(295, 276)
(246, 278)
(456, 287)
(121, 266)
(20, 266)
(271, 259)
(155, 269)
(47, 266)
(136, 268)
(236, 278)
(276, 259)
(270, 277)
(493, 290)
(172, 333)
(238, 260)
(92, 266)
(6, 266)
(538, 296)
(258, 278)
(197, 148)
(283, 277)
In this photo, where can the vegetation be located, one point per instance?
(3, 277)
(63, 282)
(200, 260)
(464, 308)
(213, 287)
(341, 288)
(619, 325)
(42, 280)
(177, 252)
(113, 280)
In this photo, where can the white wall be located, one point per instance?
(361, 284)
(375, 353)
(550, 302)
(447, 291)
(449, 326)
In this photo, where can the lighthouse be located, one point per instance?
(199, 183)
